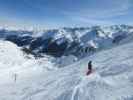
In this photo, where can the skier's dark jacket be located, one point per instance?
(90, 66)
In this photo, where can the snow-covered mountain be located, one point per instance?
(12, 57)
(78, 42)
(22, 77)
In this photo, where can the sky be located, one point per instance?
(65, 13)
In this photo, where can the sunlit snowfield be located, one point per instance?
(29, 79)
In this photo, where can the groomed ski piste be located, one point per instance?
(23, 78)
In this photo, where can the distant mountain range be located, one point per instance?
(78, 42)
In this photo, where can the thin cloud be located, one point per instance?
(98, 15)
(58, 13)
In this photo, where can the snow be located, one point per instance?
(99, 37)
(10, 54)
(92, 44)
(64, 60)
(30, 79)
(22, 77)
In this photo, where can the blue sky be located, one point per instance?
(60, 13)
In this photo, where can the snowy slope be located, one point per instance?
(13, 62)
(112, 79)
(10, 55)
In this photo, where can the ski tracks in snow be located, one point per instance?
(79, 89)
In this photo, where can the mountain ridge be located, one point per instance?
(78, 42)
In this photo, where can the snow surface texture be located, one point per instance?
(10, 54)
(29, 79)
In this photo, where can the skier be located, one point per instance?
(15, 77)
(89, 68)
